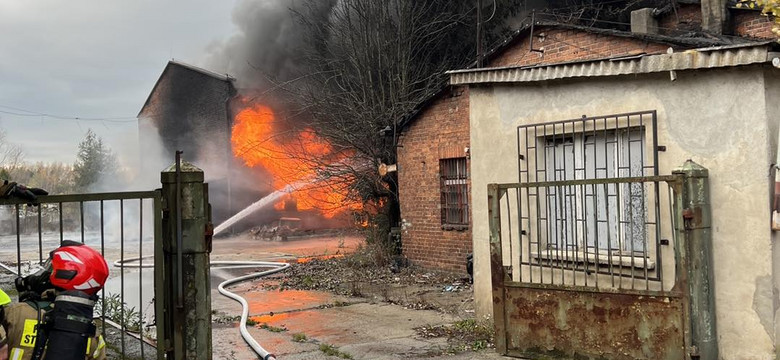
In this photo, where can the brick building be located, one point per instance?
(433, 154)
(189, 109)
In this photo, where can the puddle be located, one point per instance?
(266, 301)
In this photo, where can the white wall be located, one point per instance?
(722, 119)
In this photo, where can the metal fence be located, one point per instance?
(588, 208)
(122, 226)
(574, 233)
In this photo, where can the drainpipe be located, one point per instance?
(697, 260)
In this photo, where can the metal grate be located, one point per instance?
(588, 202)
(122, 226)
(454, 191)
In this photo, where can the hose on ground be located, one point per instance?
(275, 268)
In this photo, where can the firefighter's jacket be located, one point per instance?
(20, 325)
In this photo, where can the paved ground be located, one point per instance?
(353, 326)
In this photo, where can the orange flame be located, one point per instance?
(290, 157)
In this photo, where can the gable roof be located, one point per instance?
(178, 64)
(686, 41)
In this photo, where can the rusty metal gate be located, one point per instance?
(583, 247)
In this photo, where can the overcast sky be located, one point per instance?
(93, 59)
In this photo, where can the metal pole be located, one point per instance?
(186, 248)
(179, 288)
(479, 33)
(696, 259)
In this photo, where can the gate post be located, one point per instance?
(695, 259)
(497, 271)
(185, 293)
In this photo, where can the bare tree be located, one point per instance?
(11, 156)
(370, 64)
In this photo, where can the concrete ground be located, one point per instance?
(353, 327)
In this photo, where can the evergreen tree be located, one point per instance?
(95, 163)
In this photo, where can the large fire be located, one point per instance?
(292, 158)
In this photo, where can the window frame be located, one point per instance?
(454, 193)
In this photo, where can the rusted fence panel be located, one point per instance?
(543, 322)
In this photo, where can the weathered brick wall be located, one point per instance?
(686, 19)
(187, 111)
(440, 131)
(751, 24)
(561, 45)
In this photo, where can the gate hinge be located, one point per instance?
(209, 235)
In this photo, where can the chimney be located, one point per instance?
(715, 17)
(643, 22)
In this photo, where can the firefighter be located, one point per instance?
(53, 318)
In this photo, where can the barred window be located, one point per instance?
(454, 191)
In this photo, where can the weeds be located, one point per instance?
(463, 335)
(299, 337)
(119, 312)
(273, 328)
(331, 350)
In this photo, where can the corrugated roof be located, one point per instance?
(704, 58)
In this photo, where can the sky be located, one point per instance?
(94, 59)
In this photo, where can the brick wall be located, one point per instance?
(752, 24)
(561, 45)
(686, 19)
(440, 131)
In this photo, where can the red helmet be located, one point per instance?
(78, 267)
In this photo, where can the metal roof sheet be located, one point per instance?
(705, 58)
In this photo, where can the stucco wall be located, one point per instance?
(717, 118)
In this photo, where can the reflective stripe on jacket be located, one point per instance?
(20, 324)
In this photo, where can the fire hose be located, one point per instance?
(275, 268)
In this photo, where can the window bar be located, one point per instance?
(518, 196)
(547, 212)
(18, 242)
(643, 198)
(40, 235)
(539, 237)
(573, 203)
(556, 198)
(81, 217)
(529, 234)
(61, 234)
(509, 226)
(561, 233)
(103, 253)
(621, 236)
(673, 223)
(658, 257)
(140, 275)
(572, 233)
(609, 235)
(630, 197)
(122, 272)
(594, 193)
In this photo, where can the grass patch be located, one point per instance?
(338, 303)
(299, 337)
(331, 350)
(251, 322)
(273, 328)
